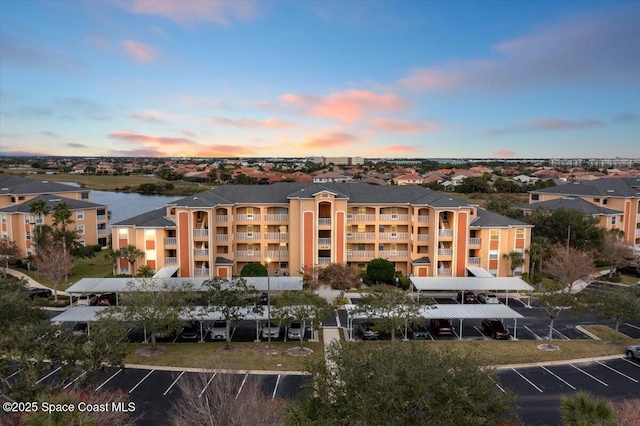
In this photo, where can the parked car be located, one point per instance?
(80, 329)
(495, 329)
(419, 332)
(191, 331)
(488, 298)
(367, 331)
(295, 331)
(264, 298)
(274, 330)
(633, 351)
(218, 331)
(106, 299)
(469, 297)
(39, 292)
(87, 300)
(441, 326)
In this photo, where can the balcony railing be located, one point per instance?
(474, 241)
(281, 236)
(394, 236)
(200, 232)
(100, 217)
(423, 238)
(445, 232)
(249, 254)
(324, 221)
(388, 253)
(324, 241)
(394, 217)
(170, 241)
(276, 217)
(201, 252)
(248, 236)
(201, 272)
(276, 255)
(248, 217)
(222, 218)
(170, 260)
(444, 272)
(361, 217)
(474, 261)
(423, 218)
(360, 254)
(102, 231)
(324, 260)
(222, 237)
(445, 252)
(361, 236)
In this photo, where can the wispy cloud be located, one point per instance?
(626, 117)
(593, 47)
(546, 124)
(404, 126)
(17, 51)
(49, 134)
(152, 116)
(140, 52)
(221, 12)
(243, 123)
(347, 106)
(329, 140)
(77, 145)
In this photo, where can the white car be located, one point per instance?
(295, 331)
(274, 331)
(218, 331)
(633, 351)
(488, 298)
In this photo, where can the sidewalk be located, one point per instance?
(31, 282)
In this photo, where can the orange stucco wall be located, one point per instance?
(308, 239)
(183, 243)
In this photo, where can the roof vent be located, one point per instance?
(195, 198)
(5, 189)
(45, 181)
(610, 190)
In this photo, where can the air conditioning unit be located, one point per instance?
(249, 235)
(250, 216)
(394, 217)
(394, 235)
(349, 217)
(349, 234)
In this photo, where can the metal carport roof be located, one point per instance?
(469, 311)
(166, 272)
(470, 283)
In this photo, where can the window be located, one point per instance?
(535, 197)
(361, 247)
(493, 254)
(596, 200)
(361, 266)
(80, 214)
(81, 243)
(519, 233)
(4, 218)
(85, 195)
(604, 201)
(27, 219)
(28, 235)
(80, 229)
(381, 228)
(361, 228)
(380, 246)
(495, 234)
(613, 220)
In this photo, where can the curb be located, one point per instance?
(214, 370)
(559, 362)
(588, 333)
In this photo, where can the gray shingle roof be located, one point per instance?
(607, 187)
(578, 204)
(154, 219)
(52, 201)
(489, 219)
(17, 185)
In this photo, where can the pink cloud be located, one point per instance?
(428, 79)
(329, 140)
(221, 12)
(347, 106)
(140, 52)
(546, 124)
(504, 153)
(403, 126)
(151, 116)
(243, 123)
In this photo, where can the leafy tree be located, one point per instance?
(304, 306)
(556, 227)
(472, 185)
(107, 343)
(516, 259)
(157, 305)
(618, 304)
(9, 250)
(369, 385)
(568, 266)
(54, 264)
(381, 270)
(231, 298)
(539, 251)
(338, 276)
(131, 253)
(583, 409)
(254, 270)
(615, 252)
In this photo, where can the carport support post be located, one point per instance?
(201, 333)
(460, 337)
(145, 333)
(257, 330)
(515, 328)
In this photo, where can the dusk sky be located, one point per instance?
(434, 79)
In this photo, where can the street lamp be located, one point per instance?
(268, 305)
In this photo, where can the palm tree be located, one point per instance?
(144, 271)
(516, 259)
(114, 256)
(131, 253)
(40, 210)
(585, 410)
(61, 219)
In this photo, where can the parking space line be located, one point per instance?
(15, 373)
(528, 381)
(74, 380)
(242, 385)
(454, 332)
(631, 362)
(631, 325)
(481, 333)
(430, 336)
(48, 375)
(174, 382)
(593, 377)
(275, 389)
(562, 335)
(558, 377)
(207, 385)
(530, 331)
(138, 384)
(616, 371)
(105, 382)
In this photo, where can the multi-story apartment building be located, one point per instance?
(18, 223)
(290, 226)
(618, 198)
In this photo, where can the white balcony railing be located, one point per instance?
(100, 217)
(389, 253)
(324, 241)
(423, 218)
(444, 272)
(276, 217)
(248, 254)
(248, 217)
(248, 236)
(394, 235)
(423, 238)
(170, 241)
(222, 237)
(201, 272)
(637, 231)
(324, 221)
(324, 260)
(102, 231)
(276, 255)
(222, 218)
(281, 236)
(170, 260)
(201, 252)
(361, 217)
(200, 232)
(360, 254)
(474, 241)
(445, 252)
(394, 217)
(445, 232)
(361, 236)
(474, 261)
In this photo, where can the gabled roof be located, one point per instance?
(51, 202)
(571, 203)
(154, 219)
(489, 219)
(612, 187)
(17, 185)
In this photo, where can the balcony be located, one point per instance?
(201, 233)
(102, 231)
(361, 236)
(276, 217)
(170, 241)
(170, 261)
(444, 272)
(360, 254)
(423, 218)
(248, 236)
(100, 218)
(324, 260)
(201, 272)
(201, 252)
(445, 252)
(324, 221)
(474, 241)
(394, 235)
(394, 217)
(222, 218)
(387, 254)
(280, 236)
(324, 241)
(276, 255)
(361, 218)
(474, 261)
(445, 232)
(423, 238)
(247, 217)
(222, 237)
(248, 254)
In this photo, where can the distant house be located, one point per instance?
(331, 177)
(408, 179)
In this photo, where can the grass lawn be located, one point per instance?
(241, 356)
(607, 333)
(96, 267)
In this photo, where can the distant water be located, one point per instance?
(124, 205)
